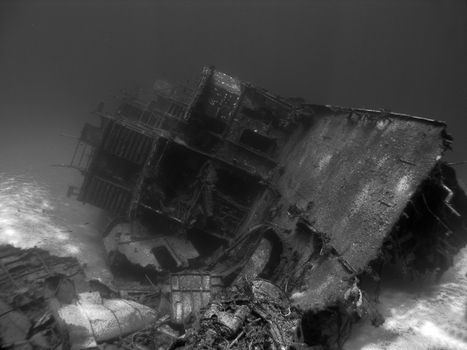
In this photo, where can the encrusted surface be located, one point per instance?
(351, 175)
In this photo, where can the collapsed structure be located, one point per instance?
(227, 183)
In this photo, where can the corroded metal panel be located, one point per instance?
(106, 195)
(190, 292)
(126, 143)
(227, 83)
(352, 174)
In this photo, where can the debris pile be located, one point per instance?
(251, 316)
(28, 282)
(244, 220)
(47, 303)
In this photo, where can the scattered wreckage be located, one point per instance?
(253, 221)
(46, 302)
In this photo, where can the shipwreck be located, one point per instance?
(226, 189)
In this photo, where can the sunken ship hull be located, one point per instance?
(233, 182)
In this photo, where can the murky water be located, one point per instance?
(433, 318)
